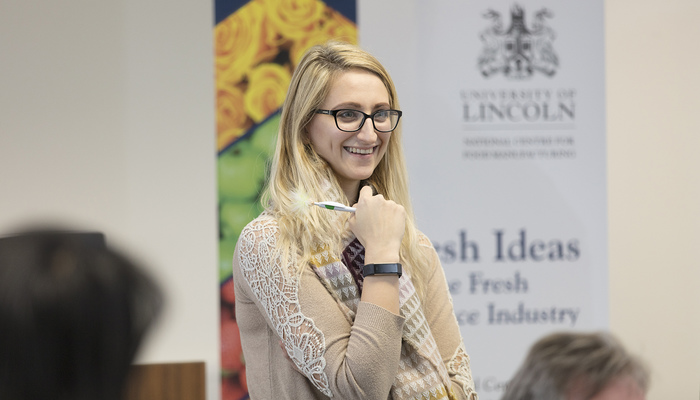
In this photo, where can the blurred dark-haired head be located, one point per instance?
(73, 313)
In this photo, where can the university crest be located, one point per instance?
(518, 51)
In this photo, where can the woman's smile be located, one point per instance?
(361, 151)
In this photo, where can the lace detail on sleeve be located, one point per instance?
(460, 371)
(276, 287)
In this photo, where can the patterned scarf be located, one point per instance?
(422, 373)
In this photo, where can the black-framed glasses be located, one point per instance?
(348, 120)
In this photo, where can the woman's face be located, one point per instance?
(352, 155)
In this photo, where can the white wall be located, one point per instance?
(107, 121)
(654, 187)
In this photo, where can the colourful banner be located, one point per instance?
(258, 44)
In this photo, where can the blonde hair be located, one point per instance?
(297, 170)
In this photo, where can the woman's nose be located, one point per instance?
(367, 133)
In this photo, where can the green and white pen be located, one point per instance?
(332, 205)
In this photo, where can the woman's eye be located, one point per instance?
(347, 114)
(381, 115)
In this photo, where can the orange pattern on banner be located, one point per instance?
(257, 48)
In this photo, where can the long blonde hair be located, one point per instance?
(297, 169)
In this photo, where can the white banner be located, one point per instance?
(507, 167)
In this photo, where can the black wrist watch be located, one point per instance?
(382, 269)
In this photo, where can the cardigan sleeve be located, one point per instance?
(439, 312)
(341, 358)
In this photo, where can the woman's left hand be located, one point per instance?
(379, 225)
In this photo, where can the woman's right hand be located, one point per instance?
(379, 225)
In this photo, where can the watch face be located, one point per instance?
(382, 269)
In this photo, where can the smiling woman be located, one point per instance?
(343, 298)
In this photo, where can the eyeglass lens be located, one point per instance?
(351, 120)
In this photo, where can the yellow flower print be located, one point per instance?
(231, 118)
(241, 41)
(334, 26)
(267, 86)
(294, 18)
(256, 47)
(337, 27)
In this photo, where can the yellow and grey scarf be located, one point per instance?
(422, 373)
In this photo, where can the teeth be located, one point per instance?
(360, 151)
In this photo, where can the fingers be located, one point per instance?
(378, 224)
(365, 193)
(365, 183)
